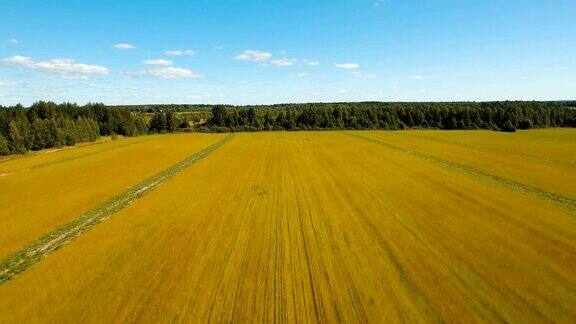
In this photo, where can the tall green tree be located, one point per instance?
(4, 146)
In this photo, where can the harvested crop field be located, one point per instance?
(348, 226)
(43, 192)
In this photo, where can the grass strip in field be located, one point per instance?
(529, 156)
(72, 158)
(50, 150)
(26, 257)
(559, 200)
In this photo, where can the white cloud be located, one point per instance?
(14, 41)
(7, 83)
(302, 75)
(167, 73)
(312, 63)
(364, 75)
(124, 46)
(188, 52)
(17, 59)
(75, 77)
(377, 3)
(256, 56)
(283, 62)
(219, 47)
(343, 91)
(347, 66)
(200, 97)
(56, 66)
(417, 77)
(157, 62)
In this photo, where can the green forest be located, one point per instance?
(47, 124)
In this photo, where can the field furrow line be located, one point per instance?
(26, 257)
(559, 200)
(5, 159)
(47, 164)
(496, 150)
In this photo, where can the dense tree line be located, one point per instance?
(46, 124)
(168, 122)
(503, 116)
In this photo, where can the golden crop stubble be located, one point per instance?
(46, 157)
(45, 191)
(549, 176)
(551, 144)
(301, 227)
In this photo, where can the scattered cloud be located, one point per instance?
(157, 62)
(266, 58)
(256, 56)
(167, 73)
(364, 75)
(124, 46)
(302, 75)
(377, 3)
(75, 77)
(7, 84)
(417, 77)
(347, 66)
(343, 91)
(56, 66)
(284, 62)
(14, 41)
(188, 52)
(200, 97)
(219, 47)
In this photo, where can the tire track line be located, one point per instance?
(26, 257)
(46, 164)
(72, 158)
(29, 154)
(496, 150)
(560, 201)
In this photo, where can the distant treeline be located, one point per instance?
(501, 116)
(47, 125)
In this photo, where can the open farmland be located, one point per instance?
(45, 191)
(348, 226)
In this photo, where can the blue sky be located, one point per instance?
(256, 52)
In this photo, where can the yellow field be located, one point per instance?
(311, 226)
(528, 162)
(44, 191)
